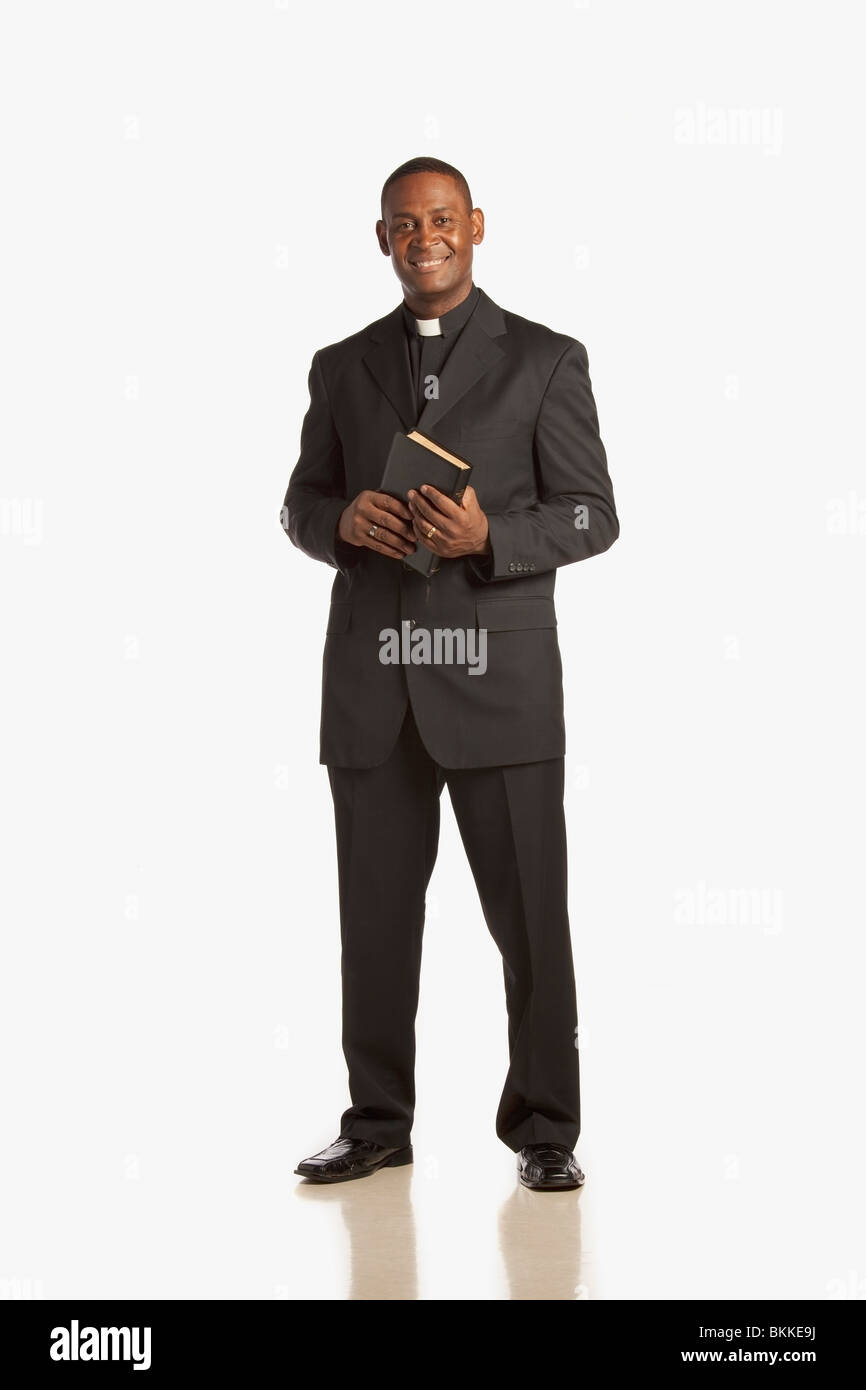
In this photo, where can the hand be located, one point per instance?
(460, 529)
(391, 519)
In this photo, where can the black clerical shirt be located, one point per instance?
(427, 355)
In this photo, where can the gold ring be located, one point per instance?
(431, 533)
(372, 532)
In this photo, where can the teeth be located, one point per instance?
(438, 261)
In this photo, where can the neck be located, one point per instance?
(435, 305)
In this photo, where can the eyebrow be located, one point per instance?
(411, 214)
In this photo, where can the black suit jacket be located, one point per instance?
(515, 400)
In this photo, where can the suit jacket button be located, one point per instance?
(511, 567)
(531, 567)
(519, 569)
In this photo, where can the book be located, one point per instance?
(414, 459)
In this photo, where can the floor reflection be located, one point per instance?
(378, 1215)
(539, 1236)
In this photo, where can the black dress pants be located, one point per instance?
(512, 824)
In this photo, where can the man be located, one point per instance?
(514, 399)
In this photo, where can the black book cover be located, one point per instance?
(414, 459)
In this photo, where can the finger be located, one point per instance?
(388, 522)
(405, 544)
(429, 542)
(394, 544)
(423, 510)
(446, 505)
(425, 505)
(387, 527)
(384, 533)
(387, 503)
(394, 552)
(422, 533)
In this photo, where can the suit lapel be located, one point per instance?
(473, 354)
(388, 361)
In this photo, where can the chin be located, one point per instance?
(433, 284)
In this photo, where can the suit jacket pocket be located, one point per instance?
(339, 618)
(512, 614)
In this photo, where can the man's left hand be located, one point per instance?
(459, 530)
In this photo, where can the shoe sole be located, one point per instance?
(551, 1186)
(397, 1160)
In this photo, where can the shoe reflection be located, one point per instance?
(539, 1236)
(379, 1218)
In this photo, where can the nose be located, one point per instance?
(424, 238)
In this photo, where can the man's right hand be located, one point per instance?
(393, 534)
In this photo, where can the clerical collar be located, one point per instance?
(448, 324)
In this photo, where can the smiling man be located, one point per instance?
(513, 399)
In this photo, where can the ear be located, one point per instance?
(382, 237)
(476, 217)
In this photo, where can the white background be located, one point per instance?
(190, 195)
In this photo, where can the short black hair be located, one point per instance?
(426, 164)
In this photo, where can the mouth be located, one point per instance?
(428, 264)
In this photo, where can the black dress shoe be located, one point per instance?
(549, 1168)
(349, 1158)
